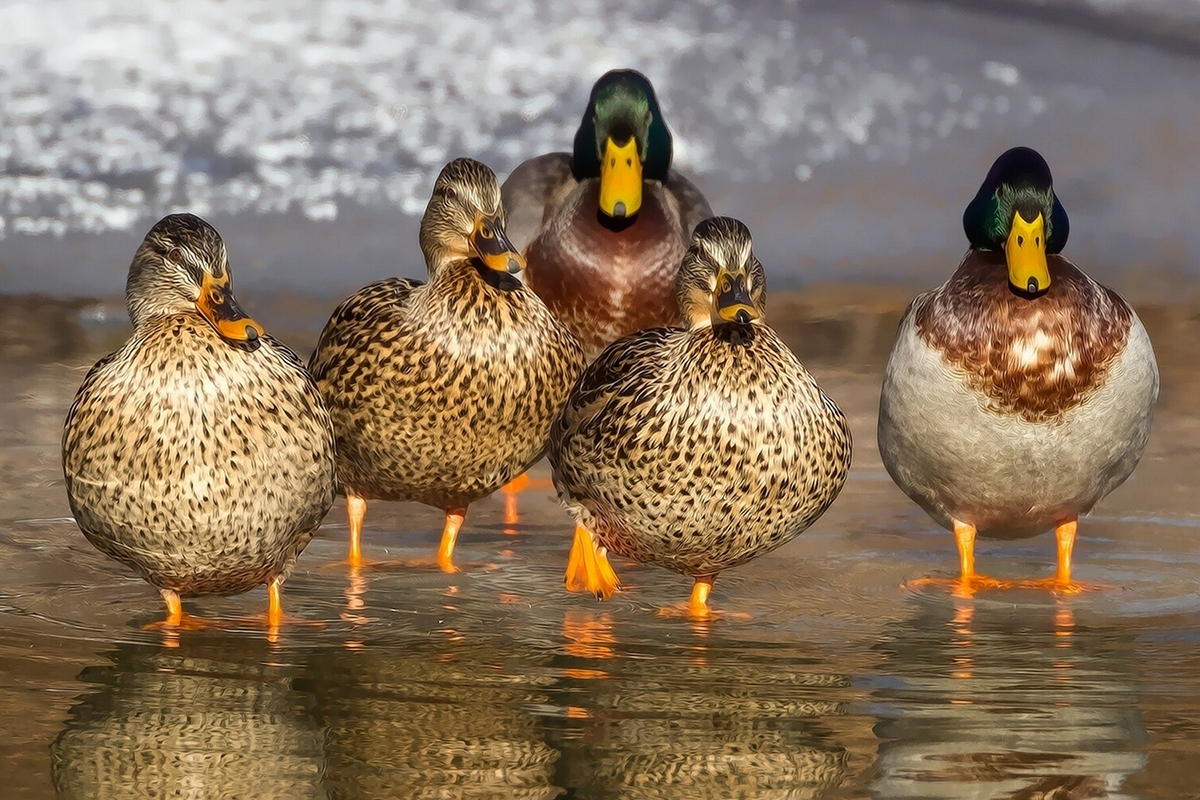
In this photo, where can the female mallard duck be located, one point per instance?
(606, 226)
(199, 453)
(697, 448)
(442, 392)
(1021, 391)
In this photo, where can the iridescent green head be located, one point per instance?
(1017, 211)
(622, 141)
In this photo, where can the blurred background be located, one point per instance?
(848, 134)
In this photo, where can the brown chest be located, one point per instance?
(605, 280)
(1037, 357)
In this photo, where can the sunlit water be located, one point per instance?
(494, 682)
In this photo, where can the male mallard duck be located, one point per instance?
(1021, 391)
(606, 226)
(697, 448)
(442, 392)
(199, 453)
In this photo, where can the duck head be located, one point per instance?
(465, 221)
(721, 282)
(1017, 211)
(622, 140)
(182, 266)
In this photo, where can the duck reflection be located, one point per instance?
(712, 721)
(1002, 702)
(437, 717)
(206, 720)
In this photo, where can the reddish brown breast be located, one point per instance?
(605, 281)
(1036, 357)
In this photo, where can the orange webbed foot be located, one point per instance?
(1065, 587)
(962, 586)
(588, 568)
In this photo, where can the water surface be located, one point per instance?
(496, 683)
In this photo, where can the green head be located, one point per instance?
(622, 141)
(1017, 211)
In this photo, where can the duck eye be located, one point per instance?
(175, 255)
(485, 232)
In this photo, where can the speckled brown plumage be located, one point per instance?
(204, 464)
(699, 448)
(442, 392)
(1037, 357)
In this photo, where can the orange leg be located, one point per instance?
(356, 509)
(1062, 582)
(177, 619)
(445, 555)
(513, 488)
(697, 608)
(968, 580)
(588, 568)
(1065, 534)
(698, 602)
(174, 608)
(275, 603)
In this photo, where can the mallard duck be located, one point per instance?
(605, 227)
(199, 453)
(701, 447)
(1020, 391)
(442, 392)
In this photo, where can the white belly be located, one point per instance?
(957, 458)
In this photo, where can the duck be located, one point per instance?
(442, 392)
(199, 453)
(1021, 391)
(604, 227)
(697, 447)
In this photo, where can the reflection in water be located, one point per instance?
(1006, 702)
(713, 723)
(203, 721)
(444, 719)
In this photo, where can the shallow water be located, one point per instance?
(496, 683)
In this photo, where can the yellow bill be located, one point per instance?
(1025, 251)
(620, 179)
(218, 305)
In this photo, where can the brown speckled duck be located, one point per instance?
(697, 448)
(442, 392)
(199, 453)
(1021, 391)
(605, 227)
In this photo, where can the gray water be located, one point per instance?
(849, 135)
